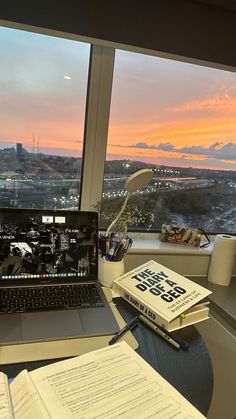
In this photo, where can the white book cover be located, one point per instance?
(160, 293)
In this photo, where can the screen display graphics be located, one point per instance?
(47, 245)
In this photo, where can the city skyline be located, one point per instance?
(163, 112)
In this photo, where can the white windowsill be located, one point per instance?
(155, 246)
(144, 243)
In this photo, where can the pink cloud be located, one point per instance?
(222, 102)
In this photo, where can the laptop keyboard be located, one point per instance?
(60, 297)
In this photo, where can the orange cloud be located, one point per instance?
(222, 102)
(179, 133)
(53, 135)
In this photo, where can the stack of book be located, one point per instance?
(165, 297)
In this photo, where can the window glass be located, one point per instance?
(43, 82)
(180, 120)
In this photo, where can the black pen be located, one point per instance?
(160, 332)
(125, 329)
(182, 343)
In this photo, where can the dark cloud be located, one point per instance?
(141, 145)
(162, 146)
(216, 150)
(166, 147)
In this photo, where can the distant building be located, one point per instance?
(19, 149)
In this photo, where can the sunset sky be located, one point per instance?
(162, 112)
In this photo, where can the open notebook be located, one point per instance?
(108, 383)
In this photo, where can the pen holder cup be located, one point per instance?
(108, 271)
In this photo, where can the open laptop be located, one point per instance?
(49, 287)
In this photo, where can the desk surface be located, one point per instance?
(189, 371)
(222, 299)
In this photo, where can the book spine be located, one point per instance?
(140, 306)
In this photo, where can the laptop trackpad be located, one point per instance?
(10, 328)
(51, 325)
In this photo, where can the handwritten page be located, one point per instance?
(5, 399)
(109, 383)
(26, 401)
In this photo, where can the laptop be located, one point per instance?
(49, 287)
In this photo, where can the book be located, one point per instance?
(167, 298)
(107, 383)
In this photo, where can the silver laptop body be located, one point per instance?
(45, 252)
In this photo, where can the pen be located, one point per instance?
(125, 329)
(159, 331)
(181, 342)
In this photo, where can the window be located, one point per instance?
(43, 84)
(179, 119)
(176, 118)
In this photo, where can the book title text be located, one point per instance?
(158, 284)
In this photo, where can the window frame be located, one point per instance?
(99, 90)
(96, 125)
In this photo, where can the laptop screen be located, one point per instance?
(48, 246)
